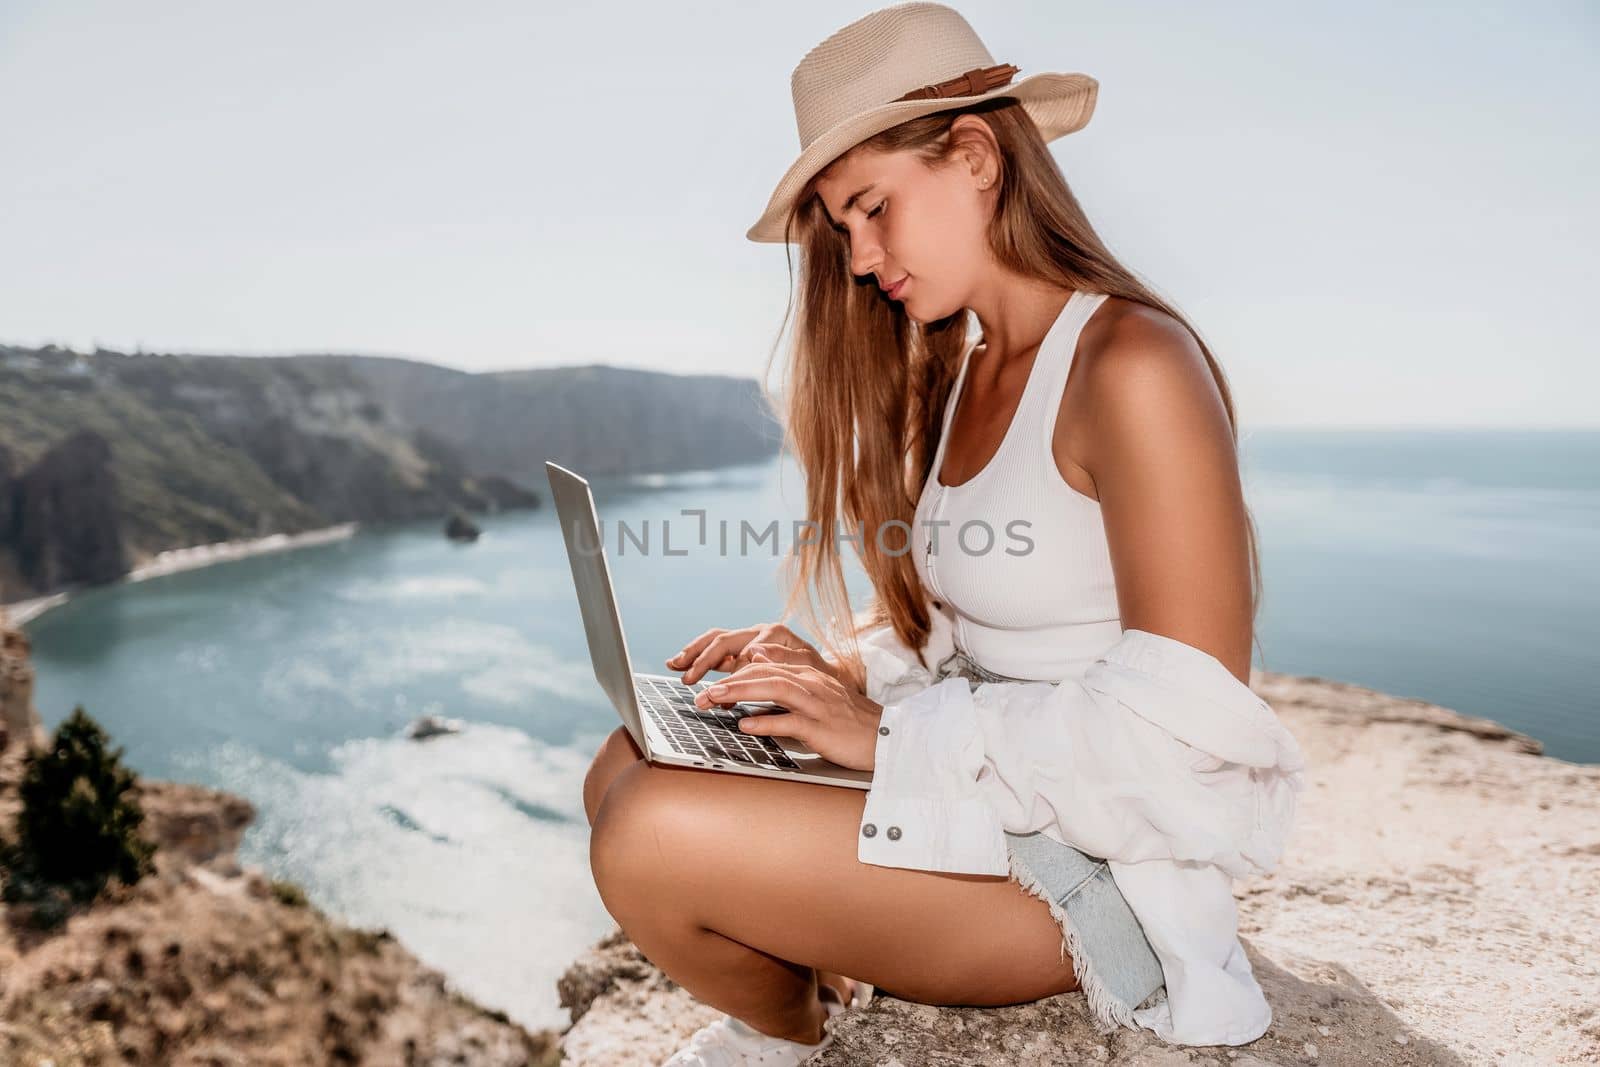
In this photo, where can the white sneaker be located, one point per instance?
(730, 1043)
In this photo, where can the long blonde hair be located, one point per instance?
(864, 401)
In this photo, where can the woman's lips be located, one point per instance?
(894, 291)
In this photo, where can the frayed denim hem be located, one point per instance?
(1122, 974)
(1117, 970)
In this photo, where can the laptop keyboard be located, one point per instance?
(709, 733)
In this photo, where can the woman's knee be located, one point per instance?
(616, 753)
(625, 846)
(650, 820)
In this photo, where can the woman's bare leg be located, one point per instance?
(618, 752)
(741, 888)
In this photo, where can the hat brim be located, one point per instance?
(1058, 104)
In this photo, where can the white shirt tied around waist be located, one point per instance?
(1157, 759)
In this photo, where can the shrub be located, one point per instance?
(78, 827)
(289, 893)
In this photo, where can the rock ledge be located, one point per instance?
(1438, 905)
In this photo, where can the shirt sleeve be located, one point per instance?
(1154, 753)
(926, 808)
(893, 669)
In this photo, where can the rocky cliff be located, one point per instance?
(1439, 904)
(108, 459)
(208, 962)
(150, 453)
(19, 721)
(61, 517)
(594, 419)
(314, 429)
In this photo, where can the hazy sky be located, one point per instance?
(1377, 214)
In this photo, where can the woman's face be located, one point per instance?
(905, 221)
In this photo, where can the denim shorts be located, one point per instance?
(1116, 968)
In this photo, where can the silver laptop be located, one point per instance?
(659, 709)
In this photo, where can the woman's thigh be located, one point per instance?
(772, 864)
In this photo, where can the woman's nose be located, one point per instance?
(864, 259)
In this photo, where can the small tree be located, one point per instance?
(78, 827)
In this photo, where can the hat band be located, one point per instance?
(974, 82)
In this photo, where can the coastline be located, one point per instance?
(188, 558)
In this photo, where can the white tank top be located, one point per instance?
(1018, 554)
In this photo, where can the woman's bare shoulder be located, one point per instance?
(1124, 332)
(1140, 357)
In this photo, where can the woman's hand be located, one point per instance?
(728, 650)
(838, 722)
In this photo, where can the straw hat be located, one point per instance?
(895, 64)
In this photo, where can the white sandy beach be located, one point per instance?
(190, 558)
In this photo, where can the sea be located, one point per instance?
(1460, 567)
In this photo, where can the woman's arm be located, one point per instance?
(1151, 750)
(1164, 466)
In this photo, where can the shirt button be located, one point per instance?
(884, 730)
(868, 830)
(894, 833)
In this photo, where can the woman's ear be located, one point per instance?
(977, 149)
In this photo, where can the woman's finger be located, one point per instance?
(776, 724)
(724, 649)
(763, 681)
(688, 652)
(719, 654)
(756, 670)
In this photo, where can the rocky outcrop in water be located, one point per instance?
(461, 528)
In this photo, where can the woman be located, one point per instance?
(1089, 422)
